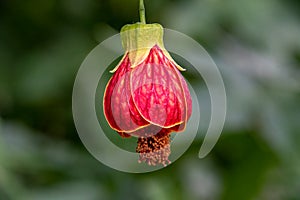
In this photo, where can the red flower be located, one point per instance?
(147, 96)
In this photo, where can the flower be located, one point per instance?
(147, 96)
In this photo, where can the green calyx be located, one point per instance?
(140, 25)
(140, 36)
(138, 39)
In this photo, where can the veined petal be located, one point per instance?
(157, 90)
(187, 96)
(119, 110)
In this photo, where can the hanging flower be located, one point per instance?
(147, 96)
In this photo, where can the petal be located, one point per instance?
(158, 94)
(119, 111)
(152, 130)
(187, 95)
(124, 135)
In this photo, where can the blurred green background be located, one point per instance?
(256, 45)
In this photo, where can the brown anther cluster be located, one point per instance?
(155, 149)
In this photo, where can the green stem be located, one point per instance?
(142, 12)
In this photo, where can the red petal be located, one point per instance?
(158, 92)
(124, 135)
(152, 130)
(119, 111)
(187, 95)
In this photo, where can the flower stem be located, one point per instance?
(142, 12)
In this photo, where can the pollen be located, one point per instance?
(155, 149)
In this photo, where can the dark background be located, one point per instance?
(256, 45)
